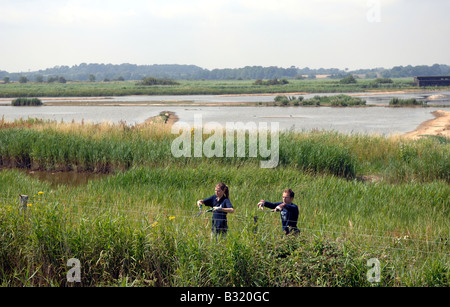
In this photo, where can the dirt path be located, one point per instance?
(439, 126)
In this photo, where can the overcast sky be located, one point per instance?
(39, 34)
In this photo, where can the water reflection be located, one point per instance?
(63, 178)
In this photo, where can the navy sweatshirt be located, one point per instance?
(289, 216)
(219, 222)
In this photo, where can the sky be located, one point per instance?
(344, 34)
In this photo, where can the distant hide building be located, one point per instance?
(432, 81)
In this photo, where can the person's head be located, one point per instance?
(288, 196)
(222, 189)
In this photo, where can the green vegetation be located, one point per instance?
(199, 87)
(26, 102)
(405, 102)
(84, 72)
(334, 101)
(383, 80)
(271, 82)
(104, 148)
(23, 79)
(136, 227)
(348, 80)
(156, 81)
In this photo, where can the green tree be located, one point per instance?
(156, 81)
(23, 79)
(51, 79)
(348, 80)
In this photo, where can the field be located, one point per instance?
(360, 198)
(199, 87)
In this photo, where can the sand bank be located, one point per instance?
(166, 117)
(439, 126)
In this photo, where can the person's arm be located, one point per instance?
(228, 207)
(280, 207)
(226, 210)
(269, 204)
(207, 202)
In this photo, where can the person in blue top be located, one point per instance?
(288, 210)
(221, 205)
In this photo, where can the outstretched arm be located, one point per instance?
(227, 207)
(206, 202)
(267, 204)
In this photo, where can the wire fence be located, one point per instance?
(257, 223)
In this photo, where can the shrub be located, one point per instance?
(26, 102)
(384, 80)
(405, 102)
(282, 100)
(271, 82)
(348, 80)
(157, 81)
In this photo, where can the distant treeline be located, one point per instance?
(406, 71)
(110, 72)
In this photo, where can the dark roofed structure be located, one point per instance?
(432, 80)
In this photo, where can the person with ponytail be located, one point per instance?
(220, 202)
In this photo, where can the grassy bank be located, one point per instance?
(137, 225)
(92, 89)
(50, 145)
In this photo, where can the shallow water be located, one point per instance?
(372, 120)
(62, 178)
(367, 120)
(371, 98)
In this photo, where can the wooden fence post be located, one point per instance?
(23, 202)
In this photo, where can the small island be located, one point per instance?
(20, 102)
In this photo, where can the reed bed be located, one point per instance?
(50, 145)
(193, 87)
(137, 226)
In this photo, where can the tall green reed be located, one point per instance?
(139, 224)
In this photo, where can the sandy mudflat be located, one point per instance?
(439, 126)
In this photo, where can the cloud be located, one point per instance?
(82, 13)
(222, 33)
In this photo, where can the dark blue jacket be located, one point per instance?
(219, 222)
(289, 216)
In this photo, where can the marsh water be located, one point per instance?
(375, 118)
(63, 178)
